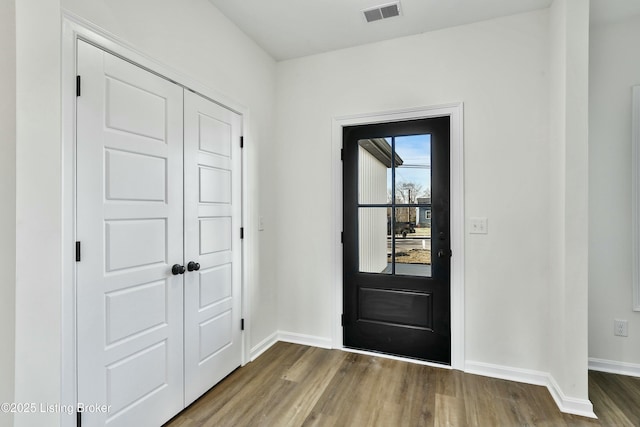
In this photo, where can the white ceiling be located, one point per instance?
(295, 28)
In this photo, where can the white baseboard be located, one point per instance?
(614, 367)
(263, 346)
(566, 404)
(507, 373)
(310, 340)
(570, 405)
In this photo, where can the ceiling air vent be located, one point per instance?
(384, 11)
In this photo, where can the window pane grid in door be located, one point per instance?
(394, 175)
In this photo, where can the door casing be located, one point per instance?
(73, 29)
(455, 112)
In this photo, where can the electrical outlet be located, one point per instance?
(620, 328)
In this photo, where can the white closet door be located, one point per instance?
(212, 196)
(130, 224)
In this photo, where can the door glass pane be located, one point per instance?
(413, 170)
(374, 171)
(413, 205)
(374, 246)
(413, 244)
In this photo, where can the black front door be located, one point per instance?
(397, 257)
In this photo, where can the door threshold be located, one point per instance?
(394, 357)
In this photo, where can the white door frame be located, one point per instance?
(74, 28)
(455, 112)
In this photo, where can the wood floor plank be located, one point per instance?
(417, 395)
(314, 360)
(319, 420)
(610, 395)
(449, 382)
(294, 385)
(479, 394)
(351, 387)
(449, 411)
(311, 374)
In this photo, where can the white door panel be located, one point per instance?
(215, 234)
(215, 285)
(215, 185)
(136, 102)
(130, 223)
(124, 181)
(215, 135)
(135, 243)
(212, 239)
(146, 367)
(123, 304)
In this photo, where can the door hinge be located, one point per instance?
(78, 254)
(77, 85)
(242, 232)
(242, 324)
(242, 142)
(78, 419)
(342, 237)
(342, 154)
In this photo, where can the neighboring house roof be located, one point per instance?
(381, 150)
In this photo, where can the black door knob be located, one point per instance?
(177, 269)
(193, 266)
(444, 253)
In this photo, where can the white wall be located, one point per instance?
(191, 37)
(568, 217)
(614, 68)
(556, 175)
(499, 69)
(38, 207)
(8, 205)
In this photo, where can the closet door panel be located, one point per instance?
(130, 225)
(212, 197)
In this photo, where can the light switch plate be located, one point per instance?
(478, 225)
(260, 223)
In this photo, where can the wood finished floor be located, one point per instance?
(615, 398)
(294, 385)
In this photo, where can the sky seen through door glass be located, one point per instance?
(415, 152)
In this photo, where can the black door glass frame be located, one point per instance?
(395, 162)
